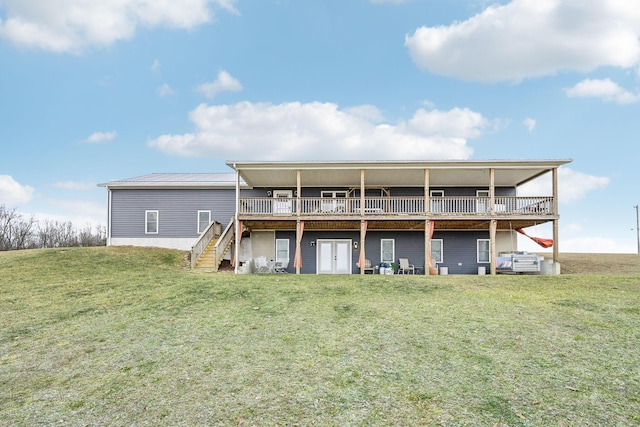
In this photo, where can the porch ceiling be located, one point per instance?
(389, 225)
(392, 173)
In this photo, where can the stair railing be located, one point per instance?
(210, 233)
(223, 243)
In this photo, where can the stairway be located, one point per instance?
(207, 261)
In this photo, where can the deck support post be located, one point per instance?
(493, 225)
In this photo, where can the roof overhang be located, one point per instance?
(450, 173)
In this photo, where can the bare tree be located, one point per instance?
(19, 233)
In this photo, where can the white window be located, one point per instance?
(387, 250)
(151, 222)
(436, 250)
(282, 249)
(482, 202)
(484, 254)
(437, 206)
(204, 219)
(333, 202)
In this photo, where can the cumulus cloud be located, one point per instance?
(531, 38)
(604, 89)
(529, 123)
(572, 185)
(73, 25)
(13, 193)
(165, 90)
(288, 131)
(224, 82)
(100, 137)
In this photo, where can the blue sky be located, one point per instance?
(95, 91)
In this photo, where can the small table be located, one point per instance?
(418, 270)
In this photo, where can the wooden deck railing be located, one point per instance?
(211, 232)
(384, 206)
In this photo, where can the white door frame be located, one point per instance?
(339, 252)
(282, 207)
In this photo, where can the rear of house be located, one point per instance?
(335, 217)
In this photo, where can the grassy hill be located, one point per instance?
(129, 336)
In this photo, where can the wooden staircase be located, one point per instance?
(210, 257)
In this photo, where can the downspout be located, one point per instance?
(363, 254)
(236, 223)
(494, 222)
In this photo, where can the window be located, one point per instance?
(387, 250)
(151, 222)
(437, 206)
(282, 249)
(204, 219)
(333, 204)
(484, 255)
(436, 250)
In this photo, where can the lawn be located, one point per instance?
(130, 337)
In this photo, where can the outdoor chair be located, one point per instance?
(368, 268)
(405, 267)
(261, 265)
(281, 266)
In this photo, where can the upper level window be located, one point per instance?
(204, 219)
(151, 222)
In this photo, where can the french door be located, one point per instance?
(333, 256)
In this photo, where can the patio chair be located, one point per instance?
(368, 268)
(405, 267)
(261, 265)
(281, 266)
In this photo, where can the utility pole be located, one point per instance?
(638, 227)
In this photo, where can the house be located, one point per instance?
(331, 217)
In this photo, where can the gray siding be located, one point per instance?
(177, 210)
(458, 247)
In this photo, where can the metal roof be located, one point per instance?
(177, 180)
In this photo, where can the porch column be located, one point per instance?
(236, 224)
(427, 225)
(492, 191)
(363, 224)
(298, 248)
(555, 214)
(298, 193)
(493, 225)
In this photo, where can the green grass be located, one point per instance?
(124, 336)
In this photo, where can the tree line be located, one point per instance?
(20, 232)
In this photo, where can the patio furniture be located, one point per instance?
(368, 268)
(281, 266)
(405, 267)
(262, 265)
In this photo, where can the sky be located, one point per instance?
(97, 91)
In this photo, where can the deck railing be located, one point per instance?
(384, 206)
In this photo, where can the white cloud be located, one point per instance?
(72, 185)
(531, 38)
(604, 89)
(100, 137)
(594, 245)
(224, 82)
(155, 67)
(529, 123)
(73, 25)
(164, 91)
(317, 130)
(13, 193)
(572, 185)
